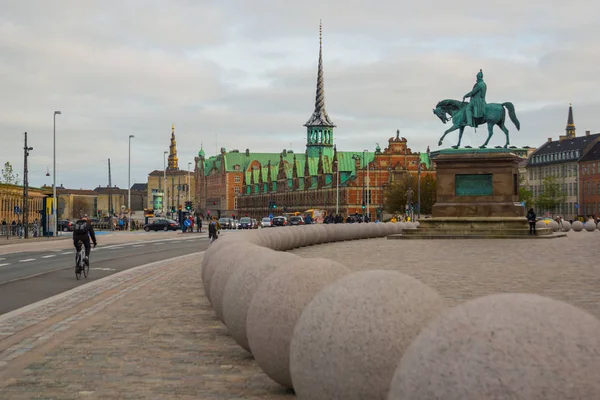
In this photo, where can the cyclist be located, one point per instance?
(82, 232)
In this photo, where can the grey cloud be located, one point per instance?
(244, 72)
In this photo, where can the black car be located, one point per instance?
(162, 225)
(280, 221)
(246, 223)
(296, 220)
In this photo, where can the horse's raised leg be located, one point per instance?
(490, 133)
(451, 129)
(505, 130)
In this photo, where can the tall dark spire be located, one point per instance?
(319, 116)
(570, 123)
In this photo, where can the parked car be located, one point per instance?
(280, 221)
(246, 223)
(162, 225)
(296, 220)
(267, 222)
(65, 226)
(225, 222)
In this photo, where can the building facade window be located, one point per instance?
(237, 179)
(236, 189)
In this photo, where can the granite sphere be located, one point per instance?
(566, 226)
(577, 226)
(553, 225)
(213, 257)
(590, 225)
(400, 226)
(276, 306)
(351, 336)
(331, 232)
(503, 346)
(241, 287)
(233, 260)
(541, 224)
(297, 237)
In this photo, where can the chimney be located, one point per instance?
(549, 140)
(587, 133)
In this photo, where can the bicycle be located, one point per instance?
(80, 265)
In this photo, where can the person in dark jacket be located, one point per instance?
(212, 230)
(531, 218)
(83, 231)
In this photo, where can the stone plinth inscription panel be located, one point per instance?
(473, 185)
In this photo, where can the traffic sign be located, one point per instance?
(576, 205)
(17, 210)
(187, 223)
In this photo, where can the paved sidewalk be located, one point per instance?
(145, 333)
(149, 332)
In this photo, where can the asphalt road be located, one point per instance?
(31, 276)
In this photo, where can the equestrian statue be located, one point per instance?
(474, 113)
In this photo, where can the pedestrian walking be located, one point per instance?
(531, 218)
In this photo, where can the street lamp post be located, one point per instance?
(189, 181)
(27, 149)
(164, 180)
(368, 196)
(129, 186)
(54, 198)
(419, 191)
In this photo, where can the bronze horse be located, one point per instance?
(494, 114)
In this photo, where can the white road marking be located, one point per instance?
(2, 259)
(102, 269)
(116, 248)
(156, 244)
(138, 245)
(68, 252)
(27, 260)
(3, 265)
(51, 255)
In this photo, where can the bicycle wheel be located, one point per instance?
(78, 262)
(86, 269)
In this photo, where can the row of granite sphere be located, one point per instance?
(577, 226)
(329, 333)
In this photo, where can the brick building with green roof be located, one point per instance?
(247, 183)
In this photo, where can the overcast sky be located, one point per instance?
(242, 74)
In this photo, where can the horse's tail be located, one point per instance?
(512, 115)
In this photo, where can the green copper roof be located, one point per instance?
(347, 165)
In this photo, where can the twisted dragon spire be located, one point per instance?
(319, 116)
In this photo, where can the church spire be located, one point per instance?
(570, 123)
(319, 116)
(173, 160)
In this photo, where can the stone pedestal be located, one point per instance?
(477, 196)
(477, 184)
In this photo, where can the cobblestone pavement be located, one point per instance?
(567, 269)
(146, 333)
(149, 332)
